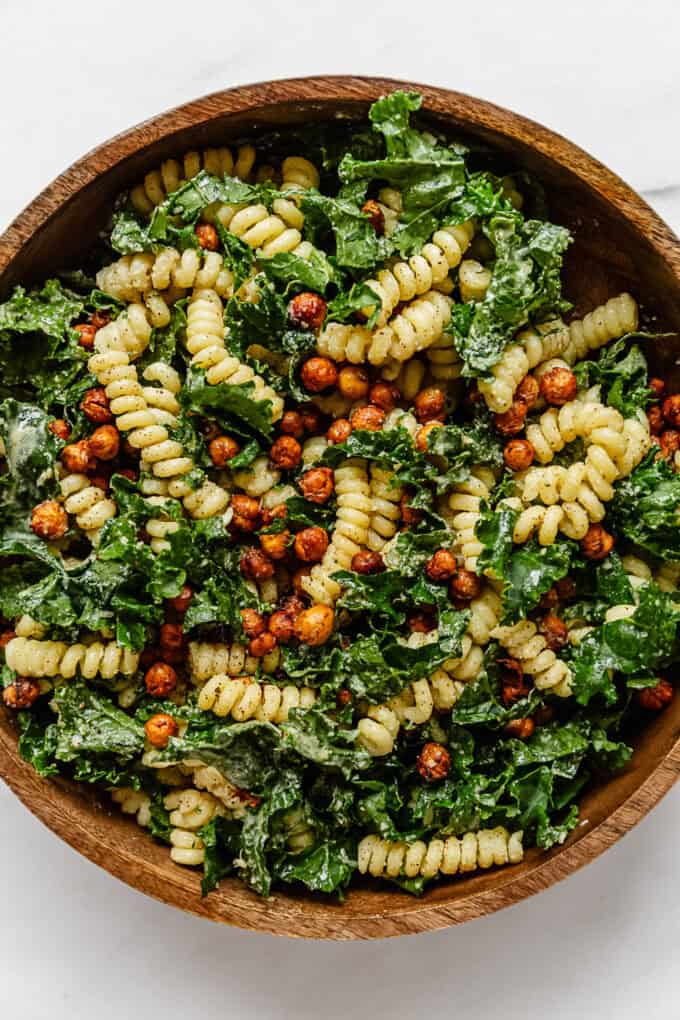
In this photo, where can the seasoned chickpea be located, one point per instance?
(366, 562)
(293, 605)
(511, 422)
(314, 626)
(77, 457)
(246, 513)
(353, 382)
(292, 425)
(521, 729)
(253, 623)
(86, 333)
(100, 318)
(554, 631)
(423, 435)
(282, 626)
(6, 637)
(311, 418)
(171, 640)
(311, 544)
(160, 679)
(262, 645)
(369, 418)
(671, 410)
(442, 566)
(343, 698)
(207, 236)
(256, 566)
(181, 602)
(317, 484)
(60, 428)
(669, 441)
(558, 386)
(49, 520)
(653, 699)
(549, 599)
(339, 431)
(518, 454)
(409, 516)
(376, 217)
(23, 693)
(528, 390)
(307, 310)
(276, 513)
(384, 395)
(221, 449)
(276, 545)
(465, 585)
(159, 728)
(286, 453)
(430, 405)
(433, 762)
(597, 543)
(95, 406)
(104, 442)
(422, 621)
(318, 374)
(565, 588)
(655, 419)
(658, 388)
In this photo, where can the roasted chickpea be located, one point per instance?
(253, 623)
(181, 602)
(77, 457)
(311, 544)
(276, 545)
(376, 217)
(60, 428)
(565, 588)
(422, 621)
(430, 405)
(527, 391)
(343, 698)
(246, 513)
(353, 382)
(423, 435)
(511, 422)
(291, 424)
(384, 395)
(339, 431)
(544, 715)
(518, 454)
(23, 693)
(104, 442)
(520, 729)
(49, 520)
(409, 516)
(256, 566)
(512, 691)
(442, 566)
(653, 699)
(100, 318)
(549, 599)
(207, 236)
(433, 762)
(369, 418)
(209, 429)
(311, 418)
(669, 441)
(286, 453)
(597, 543)
(86, 334)
(307, 310)
(221, 449)
(276, 513)
(555, 632)
(511, 670)
(282, 626)
(655, 419)
(658, 388)
(95, 406)
(317, 484)
(314, 626)
(671, 410)
(160, 679)
(465, 585)
(558, 386)
(366, 562)
(171, 639)
(262, 645)
(293, 605)
(159, 728)
(318, 374)
(6, 637)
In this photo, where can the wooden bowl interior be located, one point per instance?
(619, 245)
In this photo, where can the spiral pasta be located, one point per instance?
(272, 233)
(207, 659)
(133, 802)
(524, 642)
(189, 811)
(35, 658)
(667, 576)
(172, 173)
(473, 280)
(535, 345)
(242, 699)
(90, 505)
(384, 858)
(207, 777)
(350, 533)
(605, 323)
(257, 479)
(407, 376)
(159, 278)
(385, 510)
(575, 419)
(444, 362)
(465, 502)
(299, 174)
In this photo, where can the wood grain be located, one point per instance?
(620, 242)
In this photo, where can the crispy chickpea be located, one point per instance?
(669, 441)
(423, 435)
(209, 429)
(311, 544)
(597, 543)
(465, 585)
(558, 386)
(95, 406)
(6, 637)
(159, 728)
(246, 513)
(376, 217)
(653, 699)
(658, 388)
(430, 405)
(171, 638)
(511, 422)
(262, 645)
(384, 395)
(293, 605)
(298, 577)
(86, 333)
(221, 449)
(60, 428)
(343, 698)
(318, 374)
(291, 424)
(160, 679)
(518, 454)
(77, 457)
(353, 382)
(207, 236)
(409, 516)
(253, 623)
(311, 418)
(276, 545)
(282, 626)
(23, 693)
(104, 442)
(49, 520)
(369, 418)
(256, 566)
(671, 410)
(543, 715)
(366, 562)
(339, 431)
(442, 566)
(555, 632)
(549, 599)
(100, 318)
(307, 310)
(512, 691)
(422, 621)
(318, 484)
(655, 419)
(520, 729)
(433, 762)
(511, 670)
(527, 391)
(276, 513)
(314, 626)
(565, 588)
(181, 602)
(286, 453)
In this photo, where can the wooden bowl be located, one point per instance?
(620, 244)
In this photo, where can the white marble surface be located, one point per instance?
(73, 941)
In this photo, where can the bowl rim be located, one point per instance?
(280, 915)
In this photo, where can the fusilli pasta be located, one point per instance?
(384, 858)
